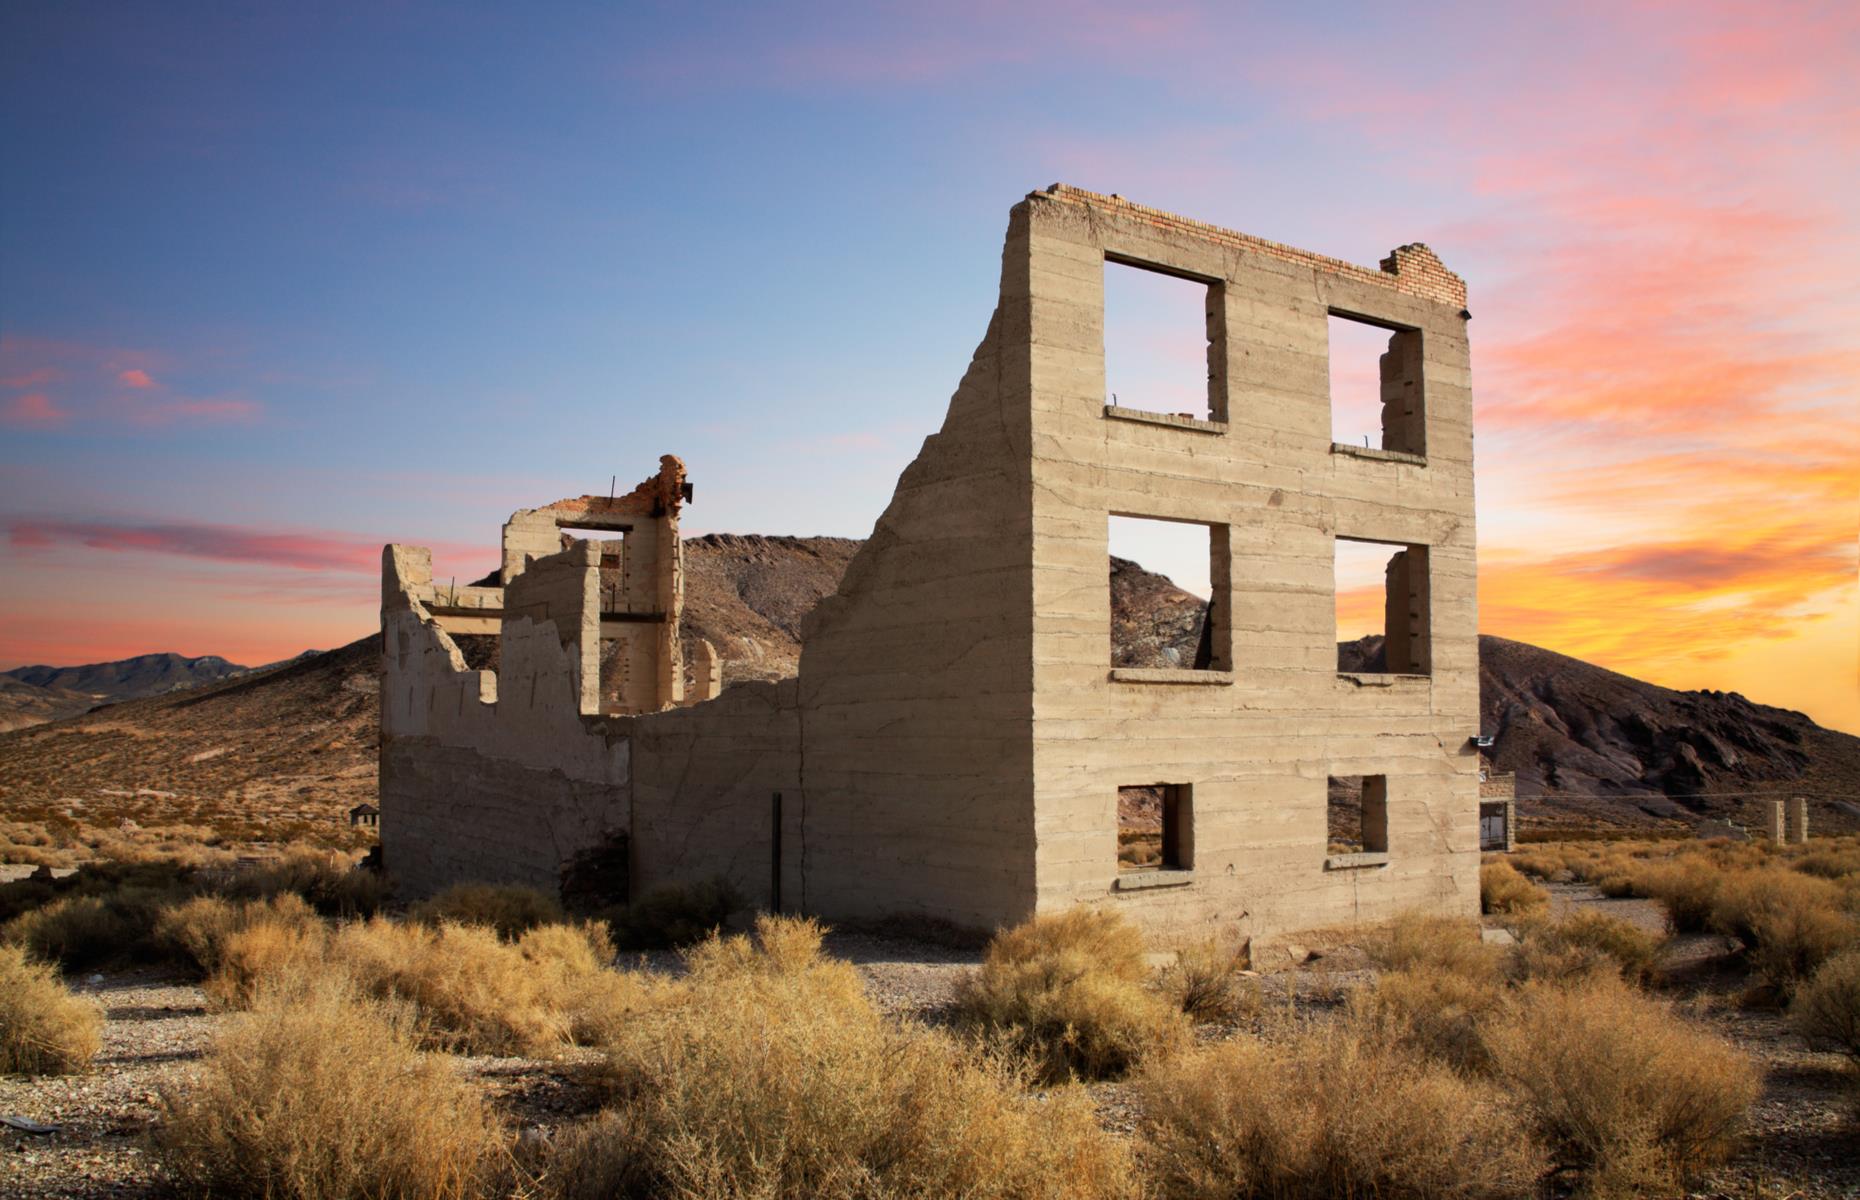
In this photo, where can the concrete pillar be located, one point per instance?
(706, 671)
(1796, 824)
(1776, 822)
(1402, 425)
(1405, 612)
(1511, 825)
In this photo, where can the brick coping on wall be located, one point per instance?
(1413, 268)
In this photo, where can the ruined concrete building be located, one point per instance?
(957, 739)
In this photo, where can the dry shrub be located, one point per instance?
(474, 992)
(504, 907)
(1621, 1088)
(1826, 1008)
(197, 930)
(1584, 943)
(1330, 1111)
(675, 915)
(44, 1029)
(1686, 888)
(1207, 982)
(90, 930)
(1540, 862)
(1068, 990)
(1829, 862)
(319, 1094)
(328, 880)
(1435, 1013)
(1788, 923)
(578, 960)
(1416, 941)
(1503, 890)
(270, 945)
(767, 1073)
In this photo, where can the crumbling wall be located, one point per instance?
(488, 777)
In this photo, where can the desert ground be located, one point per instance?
(99, 1129)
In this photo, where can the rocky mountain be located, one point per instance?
(23, 704)
(1588, 746)
(130, 678)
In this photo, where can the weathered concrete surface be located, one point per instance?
(954, 742)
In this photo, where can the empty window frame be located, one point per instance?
(1168, 581)
(1155, 827)
(1382, 608)
(1358, 814)
(1376, 390)
(1161, 343)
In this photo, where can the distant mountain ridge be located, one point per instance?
(43, 693)
(1589, 747)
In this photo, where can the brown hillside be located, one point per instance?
(294, 747)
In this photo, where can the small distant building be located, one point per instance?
(1498, 807)
(365, 816)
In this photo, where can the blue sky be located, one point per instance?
(280, 283)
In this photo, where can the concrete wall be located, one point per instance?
(1256, 742)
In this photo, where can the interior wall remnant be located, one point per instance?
(1407, 619)
(1404, 425)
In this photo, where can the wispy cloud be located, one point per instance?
(295, 550)
(32, 410)
(61, 382)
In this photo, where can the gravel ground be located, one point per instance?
(1804, 1141)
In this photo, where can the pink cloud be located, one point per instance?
(136, 377)
(34, 410)
(207, 411)
(347, 553)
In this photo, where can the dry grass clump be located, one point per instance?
(1835, 861)
(577, 961)
(1686, 887)
(1789, 923)
(1069, 991)
(1331, 1111)
(263, 944)
(1207, 982)
(1621, 1089)
(504, 907)
(1584, 943)
(328, 880)
(1417, 942)
(1826, 1008)
(44, 1029)
(675, 915)
(319, 1094)
(1540, 862)
(88, 930)
(767, 1073)
(474, 992)
(197, 931)
(1503, 890)
(1439, 1014)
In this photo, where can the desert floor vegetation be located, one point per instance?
(1072, 991)
(1068, 1057)
(1503, 889)
(44, 1029)
(319, 1093)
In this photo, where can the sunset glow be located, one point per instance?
(280, 290)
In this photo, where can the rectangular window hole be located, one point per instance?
(1163, 576)
(1157, 347)
(1358, 807)
(1154, 827)
(1382, 608)
(1376, 391)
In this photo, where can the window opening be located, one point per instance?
(1157, 344)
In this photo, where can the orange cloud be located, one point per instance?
(34, 410)
(135, 377)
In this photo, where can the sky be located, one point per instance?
(280, 283)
